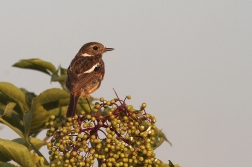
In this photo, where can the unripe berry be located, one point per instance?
(140, 158)
(128, 97)
(102, 99)
(129, 107)
(52, 117)
(97, 105)
(88, 116)
(108, 103)
(67, 155)
(95, 110)
(143, 105)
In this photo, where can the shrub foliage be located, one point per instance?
(111, 131)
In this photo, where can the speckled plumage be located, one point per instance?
(85, 73)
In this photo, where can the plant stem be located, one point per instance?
(12, 127)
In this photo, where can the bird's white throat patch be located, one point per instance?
(92, 69)
(86, 55)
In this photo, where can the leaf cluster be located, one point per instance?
(27, 113)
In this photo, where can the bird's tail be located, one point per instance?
(72, 105)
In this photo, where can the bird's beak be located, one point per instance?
(109, 49)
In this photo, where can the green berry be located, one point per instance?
(101, 99)
(143, 105)
(128, 97)
(52, 117)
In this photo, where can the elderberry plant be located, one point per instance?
(114, 133)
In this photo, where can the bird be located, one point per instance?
(85, 73)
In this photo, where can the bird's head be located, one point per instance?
(93, 48)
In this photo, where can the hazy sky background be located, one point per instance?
(190, 61)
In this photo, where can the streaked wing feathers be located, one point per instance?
(83, 80)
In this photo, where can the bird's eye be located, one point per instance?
(95, 47)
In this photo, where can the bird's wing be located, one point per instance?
(84, 79)
(82, 72)
(72, 76)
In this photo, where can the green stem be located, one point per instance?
(12, 127)
(38, 152)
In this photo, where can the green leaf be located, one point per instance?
(27, 124)
(12, 127)
(35, 141)
(63, 71)
(83, 104)
(162, 136)
(16, 152)
(15, 120)
(162, 164)
(159, 139)
(38, 160)
(20, 141)
(8, 109)
(36, 64)
(171, 164)
(56, 78)
(28, 95)
(39, 115)
(3, 158)
(60, 111)
(14, 93)
(52, 95)
(39, 154)
(9, 122)
(3, 164)
(46, 100)
(4, 100)
(60, 76)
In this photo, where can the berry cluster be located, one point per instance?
(114, 133)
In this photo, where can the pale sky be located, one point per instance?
(190, 61)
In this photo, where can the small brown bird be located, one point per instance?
(85, 73)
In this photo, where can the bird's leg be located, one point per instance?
(87, 97)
